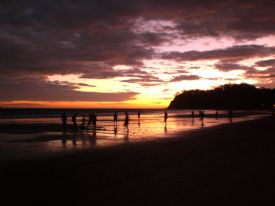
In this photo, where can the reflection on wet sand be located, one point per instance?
(64, 137)
(74, 137)
(165, 128)
(92, 139)
(126, 135)
(115, 130)
(106, 131)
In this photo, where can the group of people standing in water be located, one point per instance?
(92, 119)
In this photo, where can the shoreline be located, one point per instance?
(34, 130)
(228, 163)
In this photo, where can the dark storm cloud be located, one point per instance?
(236, 53)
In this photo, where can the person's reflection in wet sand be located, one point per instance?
(139, 118)
(126, 135)
(165, 128)
(74, 137)
(202, 123)
(202, 115)
(230, 116)
(93, 138)
(64, 137)
(193, 121)
(115, 130)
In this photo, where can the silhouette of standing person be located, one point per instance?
(64, 119)
(94, 121)
(83, 122)
(74, 119)
(115, 118)
(90, 119)
(139, 118)
(165, 116)
(126, 121)
(202, 118)
(216, 114)
(200, 114)
(230, 115)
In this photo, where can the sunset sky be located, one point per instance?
(130, 53)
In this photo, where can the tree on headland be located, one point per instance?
(228, 96)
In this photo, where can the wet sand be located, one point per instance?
(230, 164)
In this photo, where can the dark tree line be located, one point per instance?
(228, 96)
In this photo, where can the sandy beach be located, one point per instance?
(231, 164)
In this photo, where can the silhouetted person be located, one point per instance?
(216, 114)
(115, 118)
(83, 122)
(230, 114)
(139, 118)
(74, 119)
(200, 112)
(64, 119)
(165, 115)
(90, 119)
(126, 121)
(192, 114)
(202, 115)
(94, 121)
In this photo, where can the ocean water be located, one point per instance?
(39, 132)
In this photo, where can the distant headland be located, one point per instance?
(228, 96)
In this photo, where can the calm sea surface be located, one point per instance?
(38, 131)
